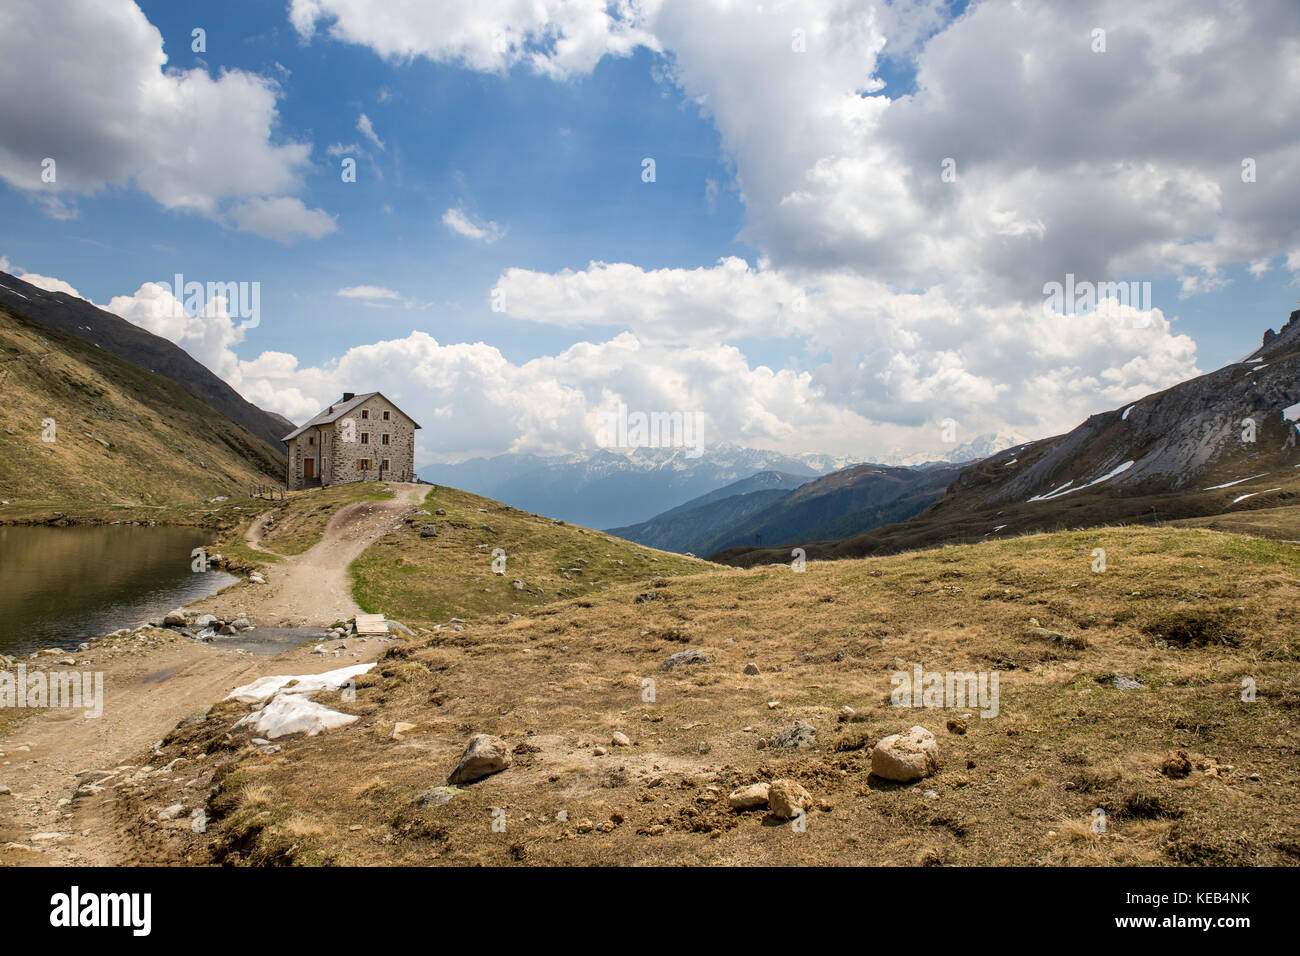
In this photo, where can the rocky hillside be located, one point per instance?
(1223, 442)
(120, 433)
(104, 330)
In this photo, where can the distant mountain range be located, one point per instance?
(842, 503)
(1220, 444)
(114, 334)
(603, 489)
(608, 489)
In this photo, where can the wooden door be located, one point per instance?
(309, 467)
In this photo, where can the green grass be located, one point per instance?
(450, 575)
(301, 519)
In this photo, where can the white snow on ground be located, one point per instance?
(14, 291)
(995, 530)
(1229, 484)
(265, 687)
(1065, 489)
(1254, 360)
(290, 711)
(1124, 417)
(1011, 462)
(294, 714)
(1253, 494)
(1258, 367)
(1052, 492)
(1291, 414)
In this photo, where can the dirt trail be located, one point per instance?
(48, 757)
(314, 587)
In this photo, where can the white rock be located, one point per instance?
(906, 757)
(484, 754)
(747, 798)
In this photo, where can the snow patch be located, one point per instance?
(1292, 413)
(1253, 494)
(264, 687)
(1229, 484)
(1065, 489)
(1124, 417)
(291, 713)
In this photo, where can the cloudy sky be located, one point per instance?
(824, 225)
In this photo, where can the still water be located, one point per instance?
(61, 586)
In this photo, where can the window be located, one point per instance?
(363, 464)
(387, 465)
(311, 439)
(385, 416)
(365, 438)
(383, 439)
(365, 413)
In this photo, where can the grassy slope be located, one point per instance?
(450, 575)
(124, 435)
(300, 520)
(1018, 788)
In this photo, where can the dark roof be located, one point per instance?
(337, 411)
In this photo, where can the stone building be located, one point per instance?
(358, 438)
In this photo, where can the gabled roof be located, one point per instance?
(337, 411)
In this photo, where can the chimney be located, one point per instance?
(348, 396)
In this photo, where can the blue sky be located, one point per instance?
(780, 173)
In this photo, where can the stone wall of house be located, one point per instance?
(338, 460)
(367, 430)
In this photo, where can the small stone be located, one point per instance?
(748, 798)
(693, 656)
(400, 728)
(956, 725)
(751, 668)
(799, 734)
(174, 618)
(599, 751)
(786, 798)
(484, 754)
(1176, 765)
(172, 812)
(621, 739)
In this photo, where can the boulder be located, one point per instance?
(751, 668)
(749, 798)
(785, 799)
(175, 618)
(484, 754)
(906, 757)
(203, 620)
(621, 739)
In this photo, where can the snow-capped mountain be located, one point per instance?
(974, 450)
(604, 488)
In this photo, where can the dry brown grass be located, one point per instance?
(1013, 789)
